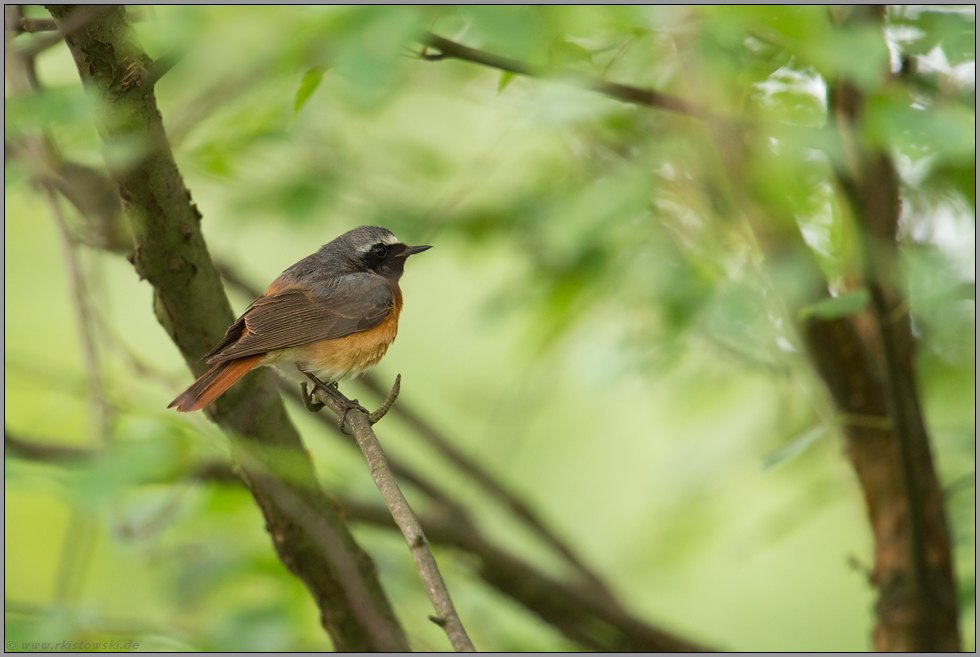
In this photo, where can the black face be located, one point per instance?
(388, 259)
(380, 256)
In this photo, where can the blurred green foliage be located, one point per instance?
(596, 324)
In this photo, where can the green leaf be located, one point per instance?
(505, 79)
(837, 307)
(311, 80)
(565, 54)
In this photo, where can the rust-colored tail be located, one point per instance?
(214, 382)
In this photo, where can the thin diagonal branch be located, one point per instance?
(101, 411)
(624, 92)
(435, 439)
(161, 66)
(32, 25)
(45, 451)
(408, 523)
(590, 621)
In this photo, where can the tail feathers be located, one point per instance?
(214, 382)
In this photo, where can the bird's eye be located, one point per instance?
(379, 250)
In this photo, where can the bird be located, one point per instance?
(329, 317)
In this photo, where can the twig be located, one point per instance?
(627, 93)
(161, 66)
(32, 25)
(425, 563)
(46, 450)
(403, 471)
(376, 416)
(100, 407)
(494, 488)
(591, 621)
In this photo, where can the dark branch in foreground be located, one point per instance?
(867, 361)
(591, 622)
(624, 92)
(360, 423)
(917, 605)
(46, 451)
(190, 303)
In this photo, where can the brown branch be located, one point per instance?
(590, 621)
(917, 607)
(32, 25)
(44, 451)
(867, 361)
(382, 410)
(572, 610)
(626, 93)
(101, 411)
(403, 471)
(189, 301)
(425, 562)
(435, 439)
(161, 66)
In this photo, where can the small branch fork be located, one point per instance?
(360, 421)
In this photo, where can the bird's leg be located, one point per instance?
(345, 404)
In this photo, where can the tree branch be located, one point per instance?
(189, 301)
(161, 66)
(425, 562)
(867, 361)
(494, 488)
(917, 608)
(32, 25)
(626, 93)
(44, 451)
(582, 617)
(571, 609)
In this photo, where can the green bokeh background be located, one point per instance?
(606, 362)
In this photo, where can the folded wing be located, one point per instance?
(291, 317)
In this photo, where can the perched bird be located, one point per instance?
(332, 315)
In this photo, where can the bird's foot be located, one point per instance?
(342, 401)
(311, 404)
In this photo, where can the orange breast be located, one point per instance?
(342, 358)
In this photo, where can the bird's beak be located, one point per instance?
(412, 250)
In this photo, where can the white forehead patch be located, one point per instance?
(388, 239)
